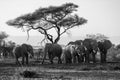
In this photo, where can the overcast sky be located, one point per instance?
(103, 15)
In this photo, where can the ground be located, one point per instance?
(10, 71)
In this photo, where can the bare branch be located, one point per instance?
(28, 34)
(43, 39)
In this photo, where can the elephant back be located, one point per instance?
(56, 48)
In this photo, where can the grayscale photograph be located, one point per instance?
(59, 39)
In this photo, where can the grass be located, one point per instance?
(10, 71)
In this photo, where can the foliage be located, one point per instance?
(113, 54)
(3, 35)
(60, 18)
(118, 46)
(98, 37)
(10, 44)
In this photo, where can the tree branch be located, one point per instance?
(68, 28)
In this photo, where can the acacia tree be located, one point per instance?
(60, 18)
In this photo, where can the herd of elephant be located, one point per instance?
(78, 51)
(74, 52)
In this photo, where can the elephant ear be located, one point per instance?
(94, 44)
(107, 44)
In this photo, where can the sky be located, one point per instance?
(103, 17)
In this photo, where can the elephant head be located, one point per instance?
(28, 48)
(30, 51)
(53, 50)
(81, 53)
(103, 47)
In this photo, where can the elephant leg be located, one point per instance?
(51, 59)
(83, 58)
(74, 59)
(17, 61)
(102, 57)
(87, 58)
(27, 59)
(59, 60)
(23, 60)
(105, 56)
(94, 57)
(69, 61)
(79, 58)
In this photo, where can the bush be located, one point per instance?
(113, 55)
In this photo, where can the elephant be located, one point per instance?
(53, 50)
(23, 51)
(91, 48)
(70, 54)
(66, 56)
(81, 53)
(103, 47)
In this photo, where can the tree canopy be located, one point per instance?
(52, 17)
(3, 35)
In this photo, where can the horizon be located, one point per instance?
(35, 40)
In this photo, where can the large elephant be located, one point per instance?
(103, 47)
(23, 51)
(53, 50)
(91, 48)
